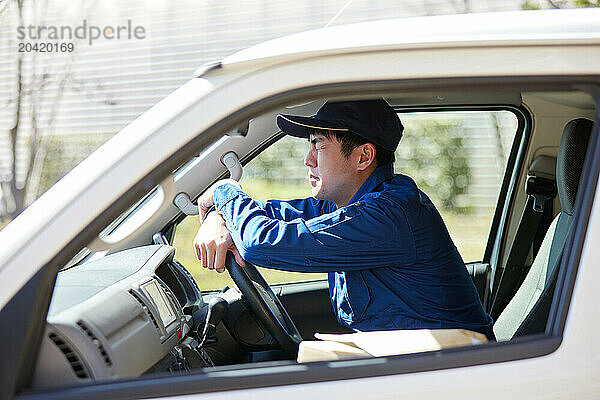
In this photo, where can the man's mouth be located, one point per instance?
(312, 179)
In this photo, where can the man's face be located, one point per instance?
(330, 174)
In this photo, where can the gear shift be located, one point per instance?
(217, 308)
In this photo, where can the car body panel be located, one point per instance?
(449, 31)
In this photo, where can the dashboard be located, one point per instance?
(123, 315)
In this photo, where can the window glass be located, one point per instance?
(457, 158)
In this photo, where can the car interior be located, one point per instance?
(135, 308)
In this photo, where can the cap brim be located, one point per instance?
(303, 127)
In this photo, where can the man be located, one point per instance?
(390, 259)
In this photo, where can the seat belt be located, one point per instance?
(535, 220)
(542, 191)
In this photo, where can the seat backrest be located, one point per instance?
(528, 309)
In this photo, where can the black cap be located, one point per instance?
(374, 120)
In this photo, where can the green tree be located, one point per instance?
(436, 159)
(536, 5)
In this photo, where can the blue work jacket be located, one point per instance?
(390, 261)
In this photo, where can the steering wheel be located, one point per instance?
(265, 305)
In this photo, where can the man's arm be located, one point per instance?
(288, 210)
(206, 202)
(213, 240)
(354, 237)
(285, 210)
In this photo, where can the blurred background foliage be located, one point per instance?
(64, 152)
(436, 159)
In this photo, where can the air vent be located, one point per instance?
(191, 279)
(96, 342)
(70, 355)
(145, 308)
(170, 295)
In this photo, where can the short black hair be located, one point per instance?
(350, 140)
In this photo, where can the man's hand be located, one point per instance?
(207, 200)
(212, 242)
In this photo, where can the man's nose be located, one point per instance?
(309, 159)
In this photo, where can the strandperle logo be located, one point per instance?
(83, 31)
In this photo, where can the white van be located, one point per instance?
(100, 300)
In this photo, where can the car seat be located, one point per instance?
(527, 312)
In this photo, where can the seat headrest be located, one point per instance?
(571, 153)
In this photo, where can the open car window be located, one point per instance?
(457, 157)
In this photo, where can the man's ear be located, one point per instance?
(366, 156)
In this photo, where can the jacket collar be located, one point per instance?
(380, 175)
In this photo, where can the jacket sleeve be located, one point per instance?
(359, 236)
(288, 210)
